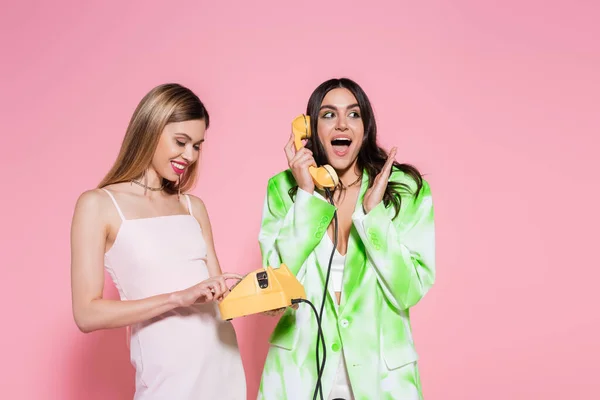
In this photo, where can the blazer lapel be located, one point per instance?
(323, 252)
(354, 267)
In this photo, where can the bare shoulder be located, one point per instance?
(197, 203)
(92, 210)
(92, 201)
(198, 208)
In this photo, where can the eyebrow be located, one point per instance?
(188, 136)
(327, 106)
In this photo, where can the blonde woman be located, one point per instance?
(156, 243)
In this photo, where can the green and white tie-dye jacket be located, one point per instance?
(390, 266)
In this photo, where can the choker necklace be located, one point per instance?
(352, 184)
(147, 187)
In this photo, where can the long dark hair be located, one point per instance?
(371, 157)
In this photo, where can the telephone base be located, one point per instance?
(262, 290)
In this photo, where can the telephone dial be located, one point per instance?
(262, 290)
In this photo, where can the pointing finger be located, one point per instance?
(231, 275)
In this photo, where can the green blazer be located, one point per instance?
(390, 266)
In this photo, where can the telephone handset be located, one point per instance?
(324, 176)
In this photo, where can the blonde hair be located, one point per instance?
(164, 104)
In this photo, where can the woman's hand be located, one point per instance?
(299, 161)
(374, 194)
(212, 289)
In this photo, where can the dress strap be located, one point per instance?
(189, 203)
(115, 203)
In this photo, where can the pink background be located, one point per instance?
(497, 104)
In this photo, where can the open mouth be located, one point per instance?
(341, 145)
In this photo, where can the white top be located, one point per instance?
(336, 276)
(186, 353)
(337, 271)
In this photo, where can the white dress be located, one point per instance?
(187, 353)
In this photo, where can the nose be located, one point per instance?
(341, 123)
(188, 154)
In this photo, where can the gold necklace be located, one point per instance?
(147, 187)
(352, 184)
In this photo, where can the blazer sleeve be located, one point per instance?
(402, 251)
(290, 232)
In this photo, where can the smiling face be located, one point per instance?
(178, 148)
(340, 128)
